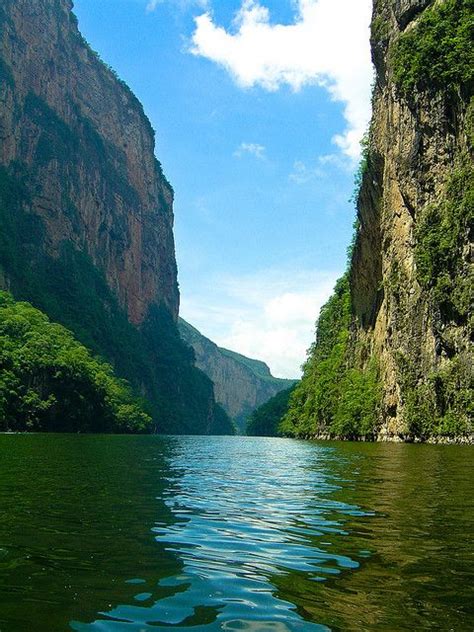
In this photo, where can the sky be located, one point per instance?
(259, 107)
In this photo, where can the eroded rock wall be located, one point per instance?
(419, 141)
(86, 214)
(88, 150)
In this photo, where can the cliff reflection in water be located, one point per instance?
(415, 552)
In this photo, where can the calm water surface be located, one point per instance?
(112, 534)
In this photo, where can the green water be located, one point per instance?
(111, 534)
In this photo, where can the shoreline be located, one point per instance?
(440, 440)
(458, 440)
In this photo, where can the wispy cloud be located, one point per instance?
(181, 4)
(302, 174)
(253, 149)
(268, 315)
(328, 45)
(152, 4)
(323, 167)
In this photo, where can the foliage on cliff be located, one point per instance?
(86, 213)
(442, 404)
(441, 233)
(50, 382)
(333, 397)
(264, 421)
(438, 51)
(222, 424)
(341, 390)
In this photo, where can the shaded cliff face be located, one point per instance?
(393, 355)
(88, 148)
(86, 213)
(240, 384)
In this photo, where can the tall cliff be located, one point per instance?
(86, 218)
(241, 384)
(393, 355)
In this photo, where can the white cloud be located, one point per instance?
(269, 315)
(328, 45)
(253, 149)
(302, 174)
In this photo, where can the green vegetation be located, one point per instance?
(56, 140)
(333, 397)
(442, 405)
(50, 382)
(264, 421)
(437, 52)
(361, 171)
(222, 423)
(6, 77)
(379, 28)
(441, 233)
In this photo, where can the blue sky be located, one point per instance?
(258, 109)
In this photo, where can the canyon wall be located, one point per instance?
(399, 356)
(86, 214)
(241, 384)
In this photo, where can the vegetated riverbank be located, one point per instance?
(384, 438)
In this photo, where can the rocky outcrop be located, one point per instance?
(86, 217)
(241, 384)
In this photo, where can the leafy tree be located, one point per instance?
(50, 382)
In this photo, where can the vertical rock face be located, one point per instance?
(88, 148)
(86, 213)
(394, 354)
(411, 298)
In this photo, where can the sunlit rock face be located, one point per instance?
(419, 142)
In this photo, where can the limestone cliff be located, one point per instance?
(401, 354)
(241, 384)
(98, 168)
(86, 217)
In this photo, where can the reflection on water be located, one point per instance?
(260, 535)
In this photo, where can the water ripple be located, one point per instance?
(244, 512)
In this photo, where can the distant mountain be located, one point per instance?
(241, 384)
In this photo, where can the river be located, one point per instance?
(115, 533)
